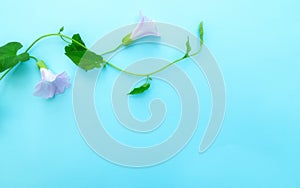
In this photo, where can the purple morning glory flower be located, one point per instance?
(51, 84)
(145, 27)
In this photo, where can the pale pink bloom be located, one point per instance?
(145, 27)
(51, 84)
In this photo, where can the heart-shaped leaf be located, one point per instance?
(9, 57)
(82, 57)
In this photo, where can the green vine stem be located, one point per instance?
(113, 50)
(63, 37)
(51, 35)
(6, 72)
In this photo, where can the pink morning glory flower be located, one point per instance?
(51, 84)
(145, 27)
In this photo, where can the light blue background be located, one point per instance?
(256, 44)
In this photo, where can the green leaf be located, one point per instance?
(61, 29)
(141, 89)
(201, 33)
(82, 57)
(188, 47)
(9, 57)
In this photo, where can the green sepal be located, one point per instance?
(41, 64)
(127, 40)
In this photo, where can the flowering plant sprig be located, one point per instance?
(76, 50)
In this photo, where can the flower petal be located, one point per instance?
(47, 75)
(145, 27)
(51, 84)
(62, 82)
(44, 89)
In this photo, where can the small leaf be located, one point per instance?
(61, 29)
(141, 89)
(188, 47)
(9, 57)
(82, 57)
(201, 33)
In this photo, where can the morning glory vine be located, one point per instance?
(52, 84)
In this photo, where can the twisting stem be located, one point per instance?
(36, 59)
(113, 50)
(166, 66)
(63, 37)
(7, 71)
(54, 34)
(158, 70)
(122, 70)
(148, 74)
(197, 52)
